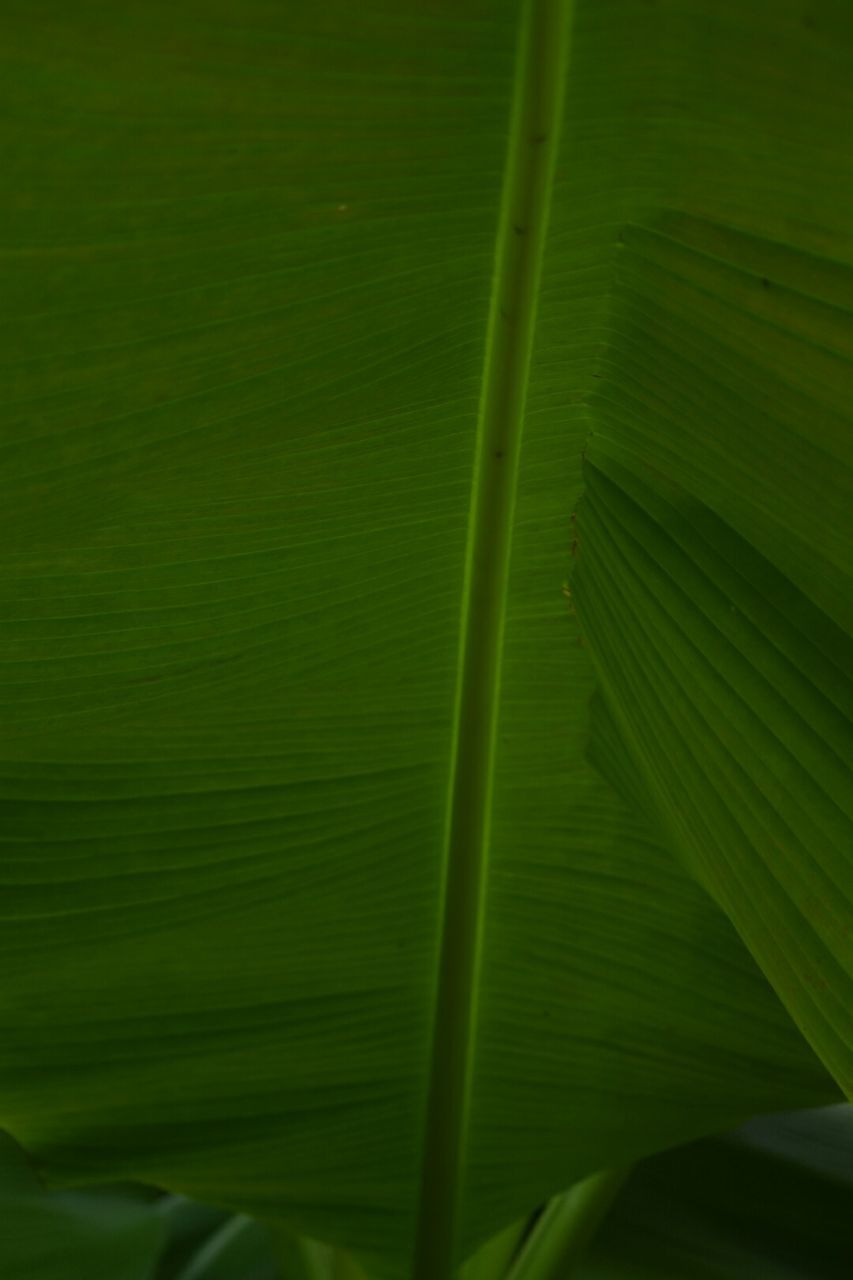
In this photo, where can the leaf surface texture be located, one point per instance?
(249, 264)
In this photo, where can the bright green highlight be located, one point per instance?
(568, 1224)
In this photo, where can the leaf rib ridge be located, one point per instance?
(528, 181)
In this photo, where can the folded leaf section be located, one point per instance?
(713, 556)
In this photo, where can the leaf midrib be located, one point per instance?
(528, 181)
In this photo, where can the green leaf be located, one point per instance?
(205, 1243)
(730, 1209)
(567, 1225)
(821, 1139)
(492, 1259)
(735, 693)
(313, 904)
(239, 1249)
(71, 1236)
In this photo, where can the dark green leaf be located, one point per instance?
(266, 667)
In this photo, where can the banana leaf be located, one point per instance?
(766, 1204)
(111, 1234)
(426, 539)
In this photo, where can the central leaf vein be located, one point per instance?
(531, 159)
